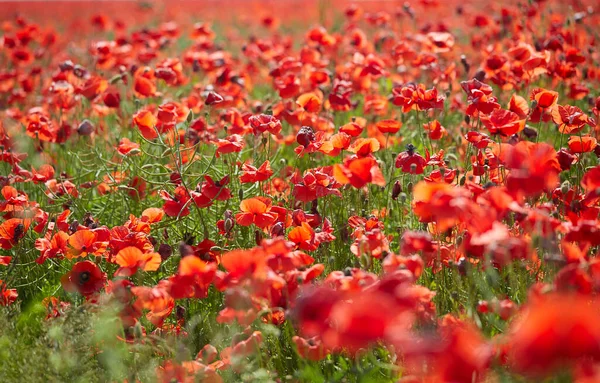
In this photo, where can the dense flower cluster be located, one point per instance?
(418, 195)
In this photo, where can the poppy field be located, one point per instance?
(300, 191)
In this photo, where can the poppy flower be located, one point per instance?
(264, 123)
(176, 205)
(192, 279)
(544, 98)
(256, 211)
(583, 144)
(311, 348)
(212, 191)
(310, 102)
(353, 129)
(389, 126)
(131, 258)
(358, 172)
(518, 105)
(527, 162)
(410, 161)
(7, 296)
(146, 122)
(231, 144)
(12, 230)
(363, 147)
(126, 147)
(479, 96)
(315, 183)
(504, 122)
(85, 242)
(435, 129)
(85, 278)
(54, 247)
(156, 299)
(570, 119)
(546, 337)
(252, 174)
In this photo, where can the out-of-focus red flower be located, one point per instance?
(545, 336)
(85, 278)
(359, 172)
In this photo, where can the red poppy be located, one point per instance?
(546, 337)
(146, 122)
(192, 279)
(310, 102)
(231, 144)
(315, 183)
(12, 230)
(504, 122)
(264, 123)
(583, 144)
(251, 174)
(85, 278)
(435, 129)
(7, 296)
(364, 146)
(480, 97)
(256, 211)
(54, 247)
(358, 172)
(570, 119)
(132, 258)
(410, 161)
(389, 126)
(176, 205)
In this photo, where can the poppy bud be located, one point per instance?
(165, 251)
(180, 312)
(305, 136)
(213, 98)
(79, 71)
(85, 128)
(185, 249)
(513, 140)
(467, 119)
(66, 66)
(175, 178)
(228, 224)
(241, 194)
(409, 187)
(480, 75)
(258, 237)
(396, 190)
(403, 197)
(277, 230)
(530, 132)
(597, 151)
(565, 159)
(483, 307)
(461, 266)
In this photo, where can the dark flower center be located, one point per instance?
(84, 277)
